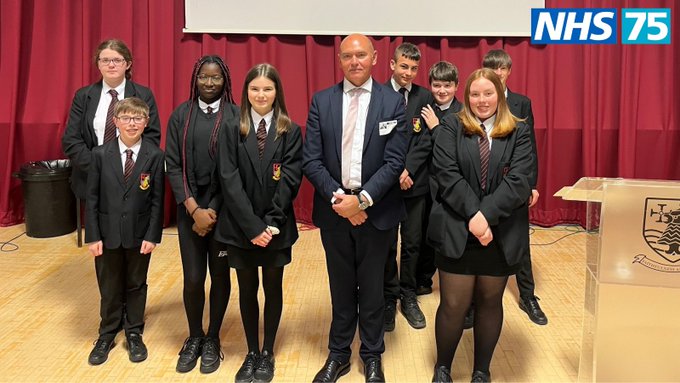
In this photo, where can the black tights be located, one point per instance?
(249, 283)
(457, 292)
(198, 255)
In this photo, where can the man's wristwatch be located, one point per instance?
(363, 204)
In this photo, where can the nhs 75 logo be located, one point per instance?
(599, 26)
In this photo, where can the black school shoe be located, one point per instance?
(188, 355)
(533, 309)
(211, 355)
(247, 371)
(100, 352)
(136, 348)
(264, 373)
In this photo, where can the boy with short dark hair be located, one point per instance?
(443, 78)
(414, 184)
(124, 223)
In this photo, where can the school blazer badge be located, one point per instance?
(416, 124)
(276, 171)
(144, 181)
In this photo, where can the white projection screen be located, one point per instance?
(372, 17)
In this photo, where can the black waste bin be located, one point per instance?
(50, 206)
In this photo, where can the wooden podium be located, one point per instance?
(631, 325)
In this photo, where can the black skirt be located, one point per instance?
(476, 260)
(247, 258)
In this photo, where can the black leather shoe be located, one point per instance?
(188, 355)
(533, 309)
(480, 377)
(423, 290)
(265, 368)
(409, 307)
(469, 320)
(247, 370)
(442, 375)
(136, 348)
(331, 371)
(373, 371)
(390, 313)
(211, 355)
(100, 352)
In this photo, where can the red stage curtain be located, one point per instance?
(609, 111)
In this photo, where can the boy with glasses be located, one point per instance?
(124, 223)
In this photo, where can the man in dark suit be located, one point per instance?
(124, 224)
(400, 282)
(500, 62)
(353, 155)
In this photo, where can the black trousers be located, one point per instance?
(403, 279)
(355, 258)
(200, 254)
(525, 277)
(425, 268)
(121, 276)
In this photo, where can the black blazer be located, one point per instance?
(419, 140)
(173, 149)
(123, 214)
(454, 108)
(456, 166)
(258, 193)
(520, 106)
(79, 137)
(381, 164)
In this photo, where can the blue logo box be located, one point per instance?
(645, 26)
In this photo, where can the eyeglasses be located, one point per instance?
(205, 78)
(127, 119)
(106, 61)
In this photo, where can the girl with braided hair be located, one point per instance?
(190, 159)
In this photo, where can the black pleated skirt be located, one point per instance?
(246, 258)
(477, 260)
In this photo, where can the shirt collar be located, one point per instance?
(120, 88)
(347, 86)
(204, 105)
(135, 148)
(257, 118)
(396, 86)
(488, 124)
(447, 105)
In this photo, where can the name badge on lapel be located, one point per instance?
(276, 171)
(416, 124)
(144, 181)
(385, 127)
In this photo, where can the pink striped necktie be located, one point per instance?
(261, 136)
(129, 164)
(484, 154)
(110, 127)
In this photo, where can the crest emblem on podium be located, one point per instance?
(661, 230)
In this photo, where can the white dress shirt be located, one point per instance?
(99, 122)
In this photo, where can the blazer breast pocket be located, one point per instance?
(505, 169)
(145, 181)
(275, 172)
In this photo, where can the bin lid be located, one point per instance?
(46, 167)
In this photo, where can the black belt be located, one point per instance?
(352, 191)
